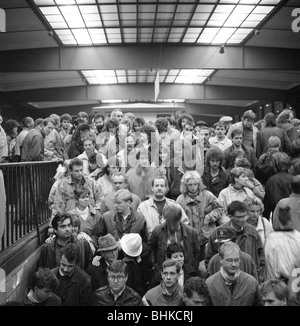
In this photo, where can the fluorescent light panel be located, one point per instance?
(177, 76)
(211, 22)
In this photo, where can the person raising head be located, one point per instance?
(274, 293)
(117, 293)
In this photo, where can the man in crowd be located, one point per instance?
(220, 140)
(231, 286)
(237, 143)
(74, 284)
(43, 285)
(107, 252)
(117, 293)
(196, 293)
(246, 236)
(120, 181)
(249, 130)
(122, 219)
(51, 251)
(168, 292)
(274, 293)
(33, 143)
(64, 199)
(117, 115)
(152, 208)
(27, 124)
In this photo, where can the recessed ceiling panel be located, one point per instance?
(221, 21)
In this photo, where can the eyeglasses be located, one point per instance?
(119, 278)
(231, 261)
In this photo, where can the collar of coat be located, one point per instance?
(189, 200)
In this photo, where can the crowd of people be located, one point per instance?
(171, 212)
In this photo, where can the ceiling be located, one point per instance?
(120, 47)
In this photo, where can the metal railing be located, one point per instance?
(27, 187)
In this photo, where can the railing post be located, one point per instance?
(33, 204)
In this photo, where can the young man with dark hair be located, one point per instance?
(250, 132)
(98, 121)
(196, 293)
(74, 284)
(51, 251)
(237, 143)
(43, 285)
(168, 292)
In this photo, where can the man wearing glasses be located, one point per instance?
(231, 286)
(246, 236)
(116, 293)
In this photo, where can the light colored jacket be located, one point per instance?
(203, 212)
(3, 144)
(282, 250)
(229, 194)
(85, 161)
(151, 214)
(64, 199)
(222, 144)
(264, 228)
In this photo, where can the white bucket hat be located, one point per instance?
(131, 244)
(226, 118)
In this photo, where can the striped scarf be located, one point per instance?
(229, 280)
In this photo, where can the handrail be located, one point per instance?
(27, 163)
(27, 187)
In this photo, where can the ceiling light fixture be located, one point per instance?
(222, 49)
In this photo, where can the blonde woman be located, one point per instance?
(255, 218)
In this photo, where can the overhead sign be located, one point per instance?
(156, 86)
(2, 21)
